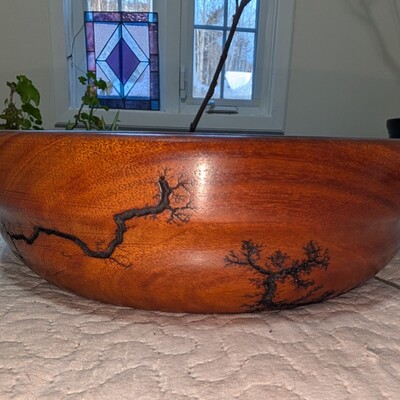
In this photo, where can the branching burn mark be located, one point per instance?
(279, 269)
(168, 195)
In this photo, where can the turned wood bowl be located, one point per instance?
(200, 223)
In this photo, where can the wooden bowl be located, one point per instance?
(200, 223)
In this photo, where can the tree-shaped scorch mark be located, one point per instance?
(281, 269)
(168, 195)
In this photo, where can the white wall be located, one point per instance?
(25, 49)
(345, 69)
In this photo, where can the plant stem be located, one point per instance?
(235, 21)
(90, 117)
(12, 91)
(76, 117)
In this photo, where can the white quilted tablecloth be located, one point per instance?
(55, 345)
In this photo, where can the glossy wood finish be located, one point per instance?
(200, 224)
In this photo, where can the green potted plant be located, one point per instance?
(24, 114)
(90, 103)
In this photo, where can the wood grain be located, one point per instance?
(200, 223)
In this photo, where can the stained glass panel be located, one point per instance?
(122, 48)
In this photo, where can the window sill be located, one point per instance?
(167, 121)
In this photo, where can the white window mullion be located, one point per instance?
(77, 52)
(169, 34)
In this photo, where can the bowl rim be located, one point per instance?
(199, 136)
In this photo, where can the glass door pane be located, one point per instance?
(120, 5)
(207, 50)
(212, 22)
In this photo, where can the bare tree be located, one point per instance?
(280, 269)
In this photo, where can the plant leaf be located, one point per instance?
(32, 111)
(26, 90)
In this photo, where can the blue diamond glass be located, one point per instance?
(122, 48)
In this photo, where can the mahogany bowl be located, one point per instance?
(200, 223)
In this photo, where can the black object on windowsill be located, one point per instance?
(393, 127)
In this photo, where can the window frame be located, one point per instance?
(174, 115)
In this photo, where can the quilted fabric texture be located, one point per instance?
(55, 345)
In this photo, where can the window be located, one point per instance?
(251, 94)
